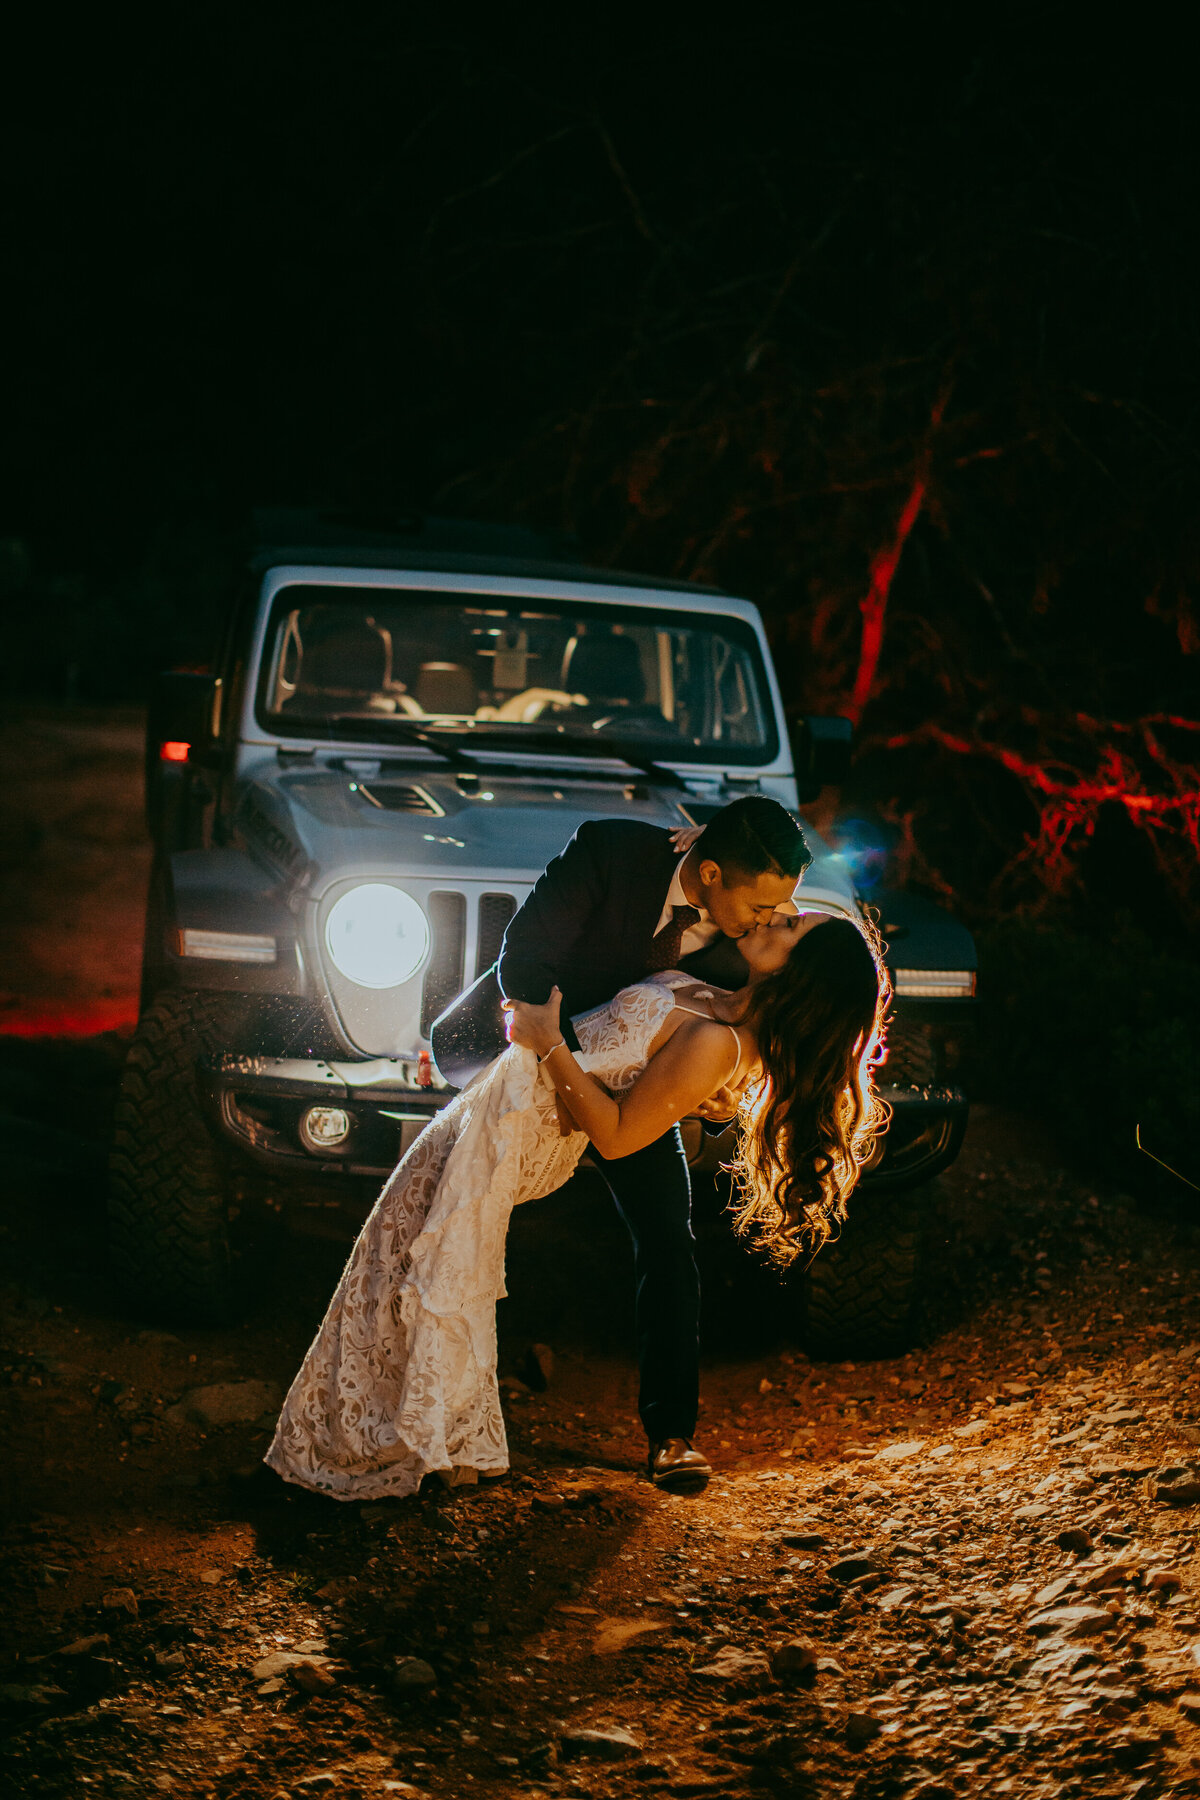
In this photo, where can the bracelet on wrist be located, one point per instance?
(561, 1045)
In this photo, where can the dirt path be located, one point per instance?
(954, 1572)
(907, 1577)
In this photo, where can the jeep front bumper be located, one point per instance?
(263, 1104)
(923, 1138)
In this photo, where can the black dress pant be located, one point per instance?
(653, 1192)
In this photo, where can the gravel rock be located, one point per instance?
(281, 1662)
(849, 1568)
(1111, 1575)
(121, 1600)
(1177, 1482)
(895, 1597)
(1054, 1591)
(412, 1675)
(1075, 1539)
(612, 1745)
(312, 1677)
(549, 1502)
(15, 1694)
(84, 1646)
(537, 1367)
(1105, 1467)
(1070, 1622)
(796, 1660)
(861, 1727)
(746, 1669)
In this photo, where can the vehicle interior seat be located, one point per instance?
(346, 664)
(447, 687)
(607, 668)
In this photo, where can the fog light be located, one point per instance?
(324, 1127)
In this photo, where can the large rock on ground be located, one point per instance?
(281, 1662)
(413, 1675)
(1176, 1482)
(226, 1403)
(1070, 1621)
(795, 1660)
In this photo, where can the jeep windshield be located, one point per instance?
(481, 670)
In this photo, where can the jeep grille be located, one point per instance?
(495, 910)
(444, 972)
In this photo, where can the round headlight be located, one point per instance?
(377, 935)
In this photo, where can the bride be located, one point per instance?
(400, 1380)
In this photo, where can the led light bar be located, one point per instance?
(933, 984)
(226, 946)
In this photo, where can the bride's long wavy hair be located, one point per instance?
(810, 1125)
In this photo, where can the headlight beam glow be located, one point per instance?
(377, 935)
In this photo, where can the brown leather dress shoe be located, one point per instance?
(676, 1464)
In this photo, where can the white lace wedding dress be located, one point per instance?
(401, 1376)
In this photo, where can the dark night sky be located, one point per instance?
(314, 254)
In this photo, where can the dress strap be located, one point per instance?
(737, 1042)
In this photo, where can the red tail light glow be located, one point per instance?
(174, 752)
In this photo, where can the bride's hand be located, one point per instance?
(683, 837)
(535, 1028)
(720, 1107)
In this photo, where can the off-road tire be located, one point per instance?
(914, 1056)
(860, 1293)
(177, 1251)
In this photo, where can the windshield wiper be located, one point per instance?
(401, 731)
(404, 731)
(574, 747)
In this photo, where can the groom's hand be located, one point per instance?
(535, 1028)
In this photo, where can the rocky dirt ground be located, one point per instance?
(969, 1568)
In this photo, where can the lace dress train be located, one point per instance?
(400, 1379)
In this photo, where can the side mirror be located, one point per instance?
(821, 750)
(182, 711)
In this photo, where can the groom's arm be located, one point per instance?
(544, 932)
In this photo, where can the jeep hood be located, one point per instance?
(315, 826)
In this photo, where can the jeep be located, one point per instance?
(395, 737)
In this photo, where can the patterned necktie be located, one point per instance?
(665, 946)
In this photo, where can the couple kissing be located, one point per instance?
(648, 977)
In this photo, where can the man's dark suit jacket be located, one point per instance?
(587, 927)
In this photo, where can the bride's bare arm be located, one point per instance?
(691, 1064)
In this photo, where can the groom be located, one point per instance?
(618, 904)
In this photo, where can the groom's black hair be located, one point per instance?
(754, 836)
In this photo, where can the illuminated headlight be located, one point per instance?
(226, 946)
(934, 984)
(377, 935)
(324, 1127)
